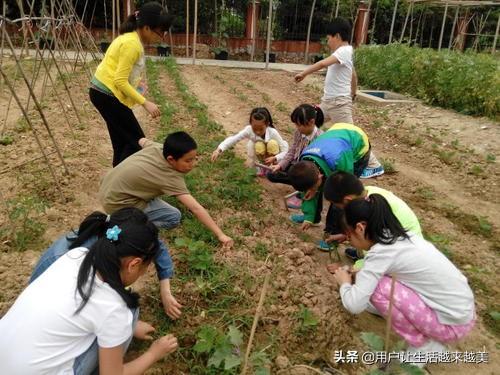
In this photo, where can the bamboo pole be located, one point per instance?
(393, 20)
(39, 143)
(389, 313)
(337, 9)
(187, 28)
(37, 104)
(195, 29)
(253, 31)
(494, 47)
(255, 318)
(406, 22)
(269, 32)
(453, 27)
(306, 58)
(442, 27)
(113, 15)
(118, 15)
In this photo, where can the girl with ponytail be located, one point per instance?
(118, 83)
(93, 228)
(308, 119)
(432, 302)
(79, 316)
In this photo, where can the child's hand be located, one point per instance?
(270, 160)
(342, 276)
(306, 225)
(142, 330)
(275, 168)
(163, 346)
(171, 306)
(216, 154)
(340, 237)
(226, 241)
(299, 77)
(152, 108)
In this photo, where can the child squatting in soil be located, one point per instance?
(432, 302)
(342, 187)
(117, 84)
(94, 227)
(308, 120)
(141, 179)
(265, 144)
(89, 316)
(340, 83)
(344, 147)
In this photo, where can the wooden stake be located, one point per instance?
(442, 27)
(269, 32)
(306, 58)
(494, 47)
(393, 19)
(389, 314)
(195, 29)
(255, 321)
(39, 143)
(187, 28)
(113, 15)
(406, 22)
(254, 32)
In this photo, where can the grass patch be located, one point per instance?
(389, 166)
(218, 288)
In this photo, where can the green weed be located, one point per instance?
(490, 158)
(388, 165)
(24, 214)
(307, 322)
(282, 107)
(476, 170)
(6, 140)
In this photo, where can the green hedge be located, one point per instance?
(466, 82)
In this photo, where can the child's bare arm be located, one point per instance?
(202, 214)
(325, 63)
(354, 83)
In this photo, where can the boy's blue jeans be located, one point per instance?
(162, 214)
(163, 262)
(87, 363)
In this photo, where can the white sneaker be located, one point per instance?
(422, 355)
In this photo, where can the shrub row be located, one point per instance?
(466, 82)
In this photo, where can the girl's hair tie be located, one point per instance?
(113, 233)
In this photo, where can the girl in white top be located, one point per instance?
(78, 314)
(432, 301)
(265, 144)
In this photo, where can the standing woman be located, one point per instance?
(118, 84)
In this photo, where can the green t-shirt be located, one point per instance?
(399, 208)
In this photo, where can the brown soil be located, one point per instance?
(439, 182)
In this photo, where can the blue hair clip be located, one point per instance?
(112, 233)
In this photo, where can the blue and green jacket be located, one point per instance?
(335, 150)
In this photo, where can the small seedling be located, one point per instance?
(306, 319)
(388, 165)
(282, 107)
(490, 158)
(377, 123)
(446, 156)
(426, 193)
(476, 170)
(6, 140)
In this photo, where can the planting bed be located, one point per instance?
(446, 170)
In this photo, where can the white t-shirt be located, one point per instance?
(339, 76)
(247, 133)
(41, 334)
(417, 264)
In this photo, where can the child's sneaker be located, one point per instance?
(297, 218)
(372, 172)
(323, 245)
(352, 254)
(420, 356)
(294, 202)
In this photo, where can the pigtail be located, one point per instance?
(92, 225)
(381, 224)
(130, 24)
(320, 116)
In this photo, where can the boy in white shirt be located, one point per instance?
(340, 83)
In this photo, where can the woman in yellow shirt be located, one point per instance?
(117, 84)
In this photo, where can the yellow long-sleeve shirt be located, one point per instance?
(122, 68)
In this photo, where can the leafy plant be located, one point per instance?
(199, 256)
(225, 351)
(6, 140)
(25, 226)
(307, 321)
(388, 165)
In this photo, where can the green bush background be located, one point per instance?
(466, 82)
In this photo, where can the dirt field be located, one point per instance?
(446, 169)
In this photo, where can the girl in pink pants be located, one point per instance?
(432, 301)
